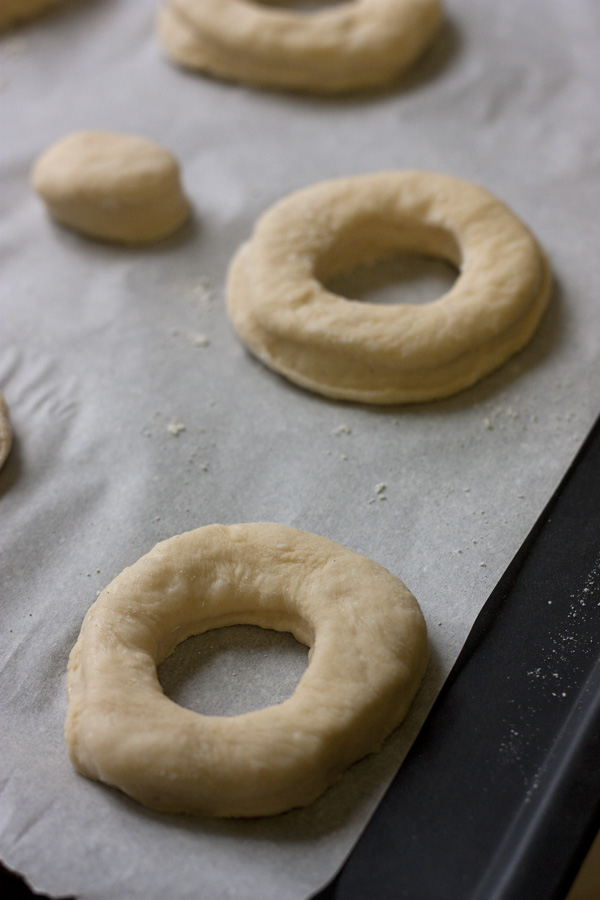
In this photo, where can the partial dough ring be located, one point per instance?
(369, 651)
(5, 431)
(375, 353)
(15, 12)
(358, 44)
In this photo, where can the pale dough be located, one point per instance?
(5, 431)
(15, 12)
(368, 654)
(376, 353)
(353, 45)
(116, 187)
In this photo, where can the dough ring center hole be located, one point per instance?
(300, 6)
(408, 263)
(405, 278)
(233, 670)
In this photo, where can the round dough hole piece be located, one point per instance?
(5, 431)
(115, 187)
(353, 45)
(368, 653)
(380, 353)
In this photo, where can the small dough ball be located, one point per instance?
(15, 12)
(5, 431)
(116, 187)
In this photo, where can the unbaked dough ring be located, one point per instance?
(17, 12)
(369, 651)
(5, 431)
(376, 353)
(354, 45)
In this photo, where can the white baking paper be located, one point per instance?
(130, 428)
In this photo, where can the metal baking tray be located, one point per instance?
(499, 797)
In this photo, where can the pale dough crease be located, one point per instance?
(116, 187)
(377, 353)
(5, 431)
(353, 45)
(368, 654)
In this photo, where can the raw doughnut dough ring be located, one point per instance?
(369, 652)
(5, 431)
(375, 353)
(357, 44)
(16, 12)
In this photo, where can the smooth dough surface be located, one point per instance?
(368, 654)
(378, 353)
(115, 187)
(16, 12)
(352, 45)
(5, 431)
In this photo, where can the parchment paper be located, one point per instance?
(101, 354)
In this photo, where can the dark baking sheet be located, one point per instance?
(499, 798)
